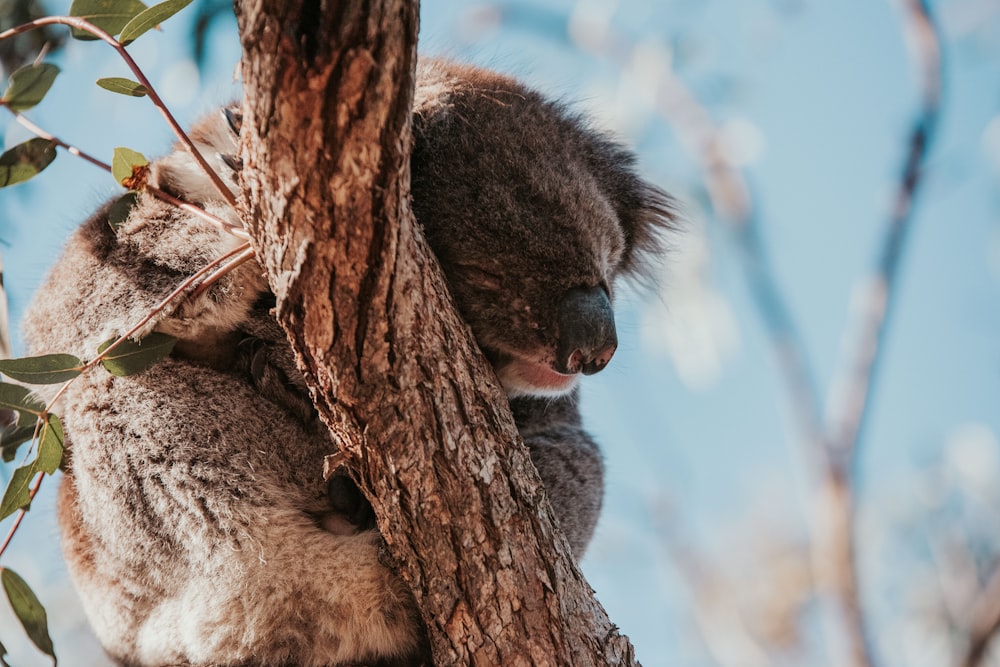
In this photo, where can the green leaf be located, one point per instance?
(28, 85)
(121, 209)
(25, 160)
(133, 357)
(19, 399)
(29, 611)
(46, 369)
(3, 653)
(50, 445)
(18, 493)
(122, 86)
(151, 18)
(12, 437)
(124, 164)
(109, 15)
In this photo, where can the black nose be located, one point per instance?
(587, 338)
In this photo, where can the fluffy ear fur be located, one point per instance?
(196, 523)
(647, 214)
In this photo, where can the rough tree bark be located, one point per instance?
(395, 373)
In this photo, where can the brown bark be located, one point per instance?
(395, 373)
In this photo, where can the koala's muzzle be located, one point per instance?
(587, 338)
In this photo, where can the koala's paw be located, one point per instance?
(352, 513)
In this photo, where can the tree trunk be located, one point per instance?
(417, 412)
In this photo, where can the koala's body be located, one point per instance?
(195, 520)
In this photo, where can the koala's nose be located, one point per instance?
(587, 338)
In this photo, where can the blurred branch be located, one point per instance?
(832, 546)
(850, 404)
(983, 621)
(732, 202)
(724, 632)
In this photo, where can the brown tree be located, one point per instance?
(422, 423)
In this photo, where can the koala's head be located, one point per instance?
(534, 217)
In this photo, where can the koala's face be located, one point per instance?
(533, 217)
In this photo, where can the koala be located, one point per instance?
(195, 520)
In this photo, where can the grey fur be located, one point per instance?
(196, 523)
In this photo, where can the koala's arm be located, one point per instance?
(568, 461)
(108, 280)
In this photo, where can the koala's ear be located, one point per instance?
(649, 222)
(647, 214)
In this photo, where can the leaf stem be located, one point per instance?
(235, 230)
(244, 251)
(81, 24)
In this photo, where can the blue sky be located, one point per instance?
(819, 96)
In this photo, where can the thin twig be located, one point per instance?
(832, 545)
(235, 230)
(81, 24)
(244, 256)
(73, 150)
(850, 395)
(5, 346)
(242, 252)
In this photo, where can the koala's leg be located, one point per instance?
(568, 461)
(189, 529)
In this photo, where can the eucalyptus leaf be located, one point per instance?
(46, 369)
(18, 493)
(11, 438)
(119, 211)
(28, 85)
(50, 445)
(132, 357)
(124, 166)
(20, 400)
(109, 15)
(26, 160)
(28, 610)
(3, 654)
(123, 86)
(151, 18)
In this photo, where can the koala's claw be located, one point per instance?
(233, 162)
(234, 116)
